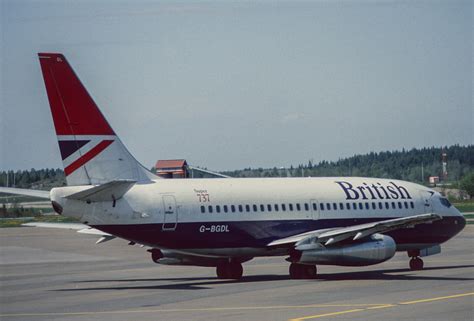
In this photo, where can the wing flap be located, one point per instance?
(355, 232)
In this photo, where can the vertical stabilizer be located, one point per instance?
(91, 152)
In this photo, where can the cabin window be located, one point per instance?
(412, 205)
(262, 208)
(232, 208)
(241, 209)
(255, 208)
(247, 208)
(269, 207)
(341, 206)
(354, 206)
(225, 209)
(374, 206)
(298, 207)
(203, 209)
(348, 206)
(290, 206)
(218, 209)
(315, 207)
(393, 205)
(445, 202)
(276, 207)
(283, 207)
(380, 205)
(406, 205)
(306, 207)
(361, 206)
(366, 206)
(334, 206)
(328, 206)
(387, 206)
(400, 205)
(209, 208)
(321, 206)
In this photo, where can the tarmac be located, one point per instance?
(52, 274)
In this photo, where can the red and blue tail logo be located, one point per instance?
(90, 150)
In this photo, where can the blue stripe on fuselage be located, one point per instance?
(259, 233)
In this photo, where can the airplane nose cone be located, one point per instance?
(461, 222)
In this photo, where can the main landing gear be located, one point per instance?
(416, 263)
(229, 270)
(303, 271)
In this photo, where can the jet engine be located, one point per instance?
(167, 257)
(376, 249)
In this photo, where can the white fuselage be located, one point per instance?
(265, 209)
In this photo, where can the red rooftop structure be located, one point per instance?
(172, 168)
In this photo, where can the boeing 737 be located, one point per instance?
(223, 222)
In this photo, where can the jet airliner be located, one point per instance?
(223, 222)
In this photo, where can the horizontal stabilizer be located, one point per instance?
(26, 192)
(110, 191)
(80, 228)
(66, 226)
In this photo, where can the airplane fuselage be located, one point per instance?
(241, 216)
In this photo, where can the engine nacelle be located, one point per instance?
(167, 257)
(377, 249)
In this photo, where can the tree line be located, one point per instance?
(34, 178)
(414, 165)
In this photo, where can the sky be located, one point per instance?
(229, 85)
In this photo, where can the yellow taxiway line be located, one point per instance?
(285, 307)
(383, 306)
(355, 308)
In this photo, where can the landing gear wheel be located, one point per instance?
(302, 271)
(416, 264)
(221, 271)
(294, 271)
(229, 270)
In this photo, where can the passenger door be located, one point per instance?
(170, 212)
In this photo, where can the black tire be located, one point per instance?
(294, 271)
(221, 271)
(236, 270)
(419, 263)
(310, 272)
(416, 264)
(229, 270)
(302, 271)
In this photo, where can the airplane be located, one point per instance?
(224, 222)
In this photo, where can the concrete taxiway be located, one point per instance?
(51, 274)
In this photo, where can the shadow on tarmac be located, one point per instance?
(204, 283)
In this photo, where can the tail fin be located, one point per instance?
(90, 150)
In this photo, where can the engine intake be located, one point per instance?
(378, 248)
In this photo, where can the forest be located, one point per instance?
(414, 165)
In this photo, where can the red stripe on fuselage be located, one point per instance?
(87, 156)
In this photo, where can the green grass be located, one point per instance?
(465, 206)
(16, 222)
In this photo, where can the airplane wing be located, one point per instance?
(208, 172)
(26, 192)
(80, 228)
(312, 239)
